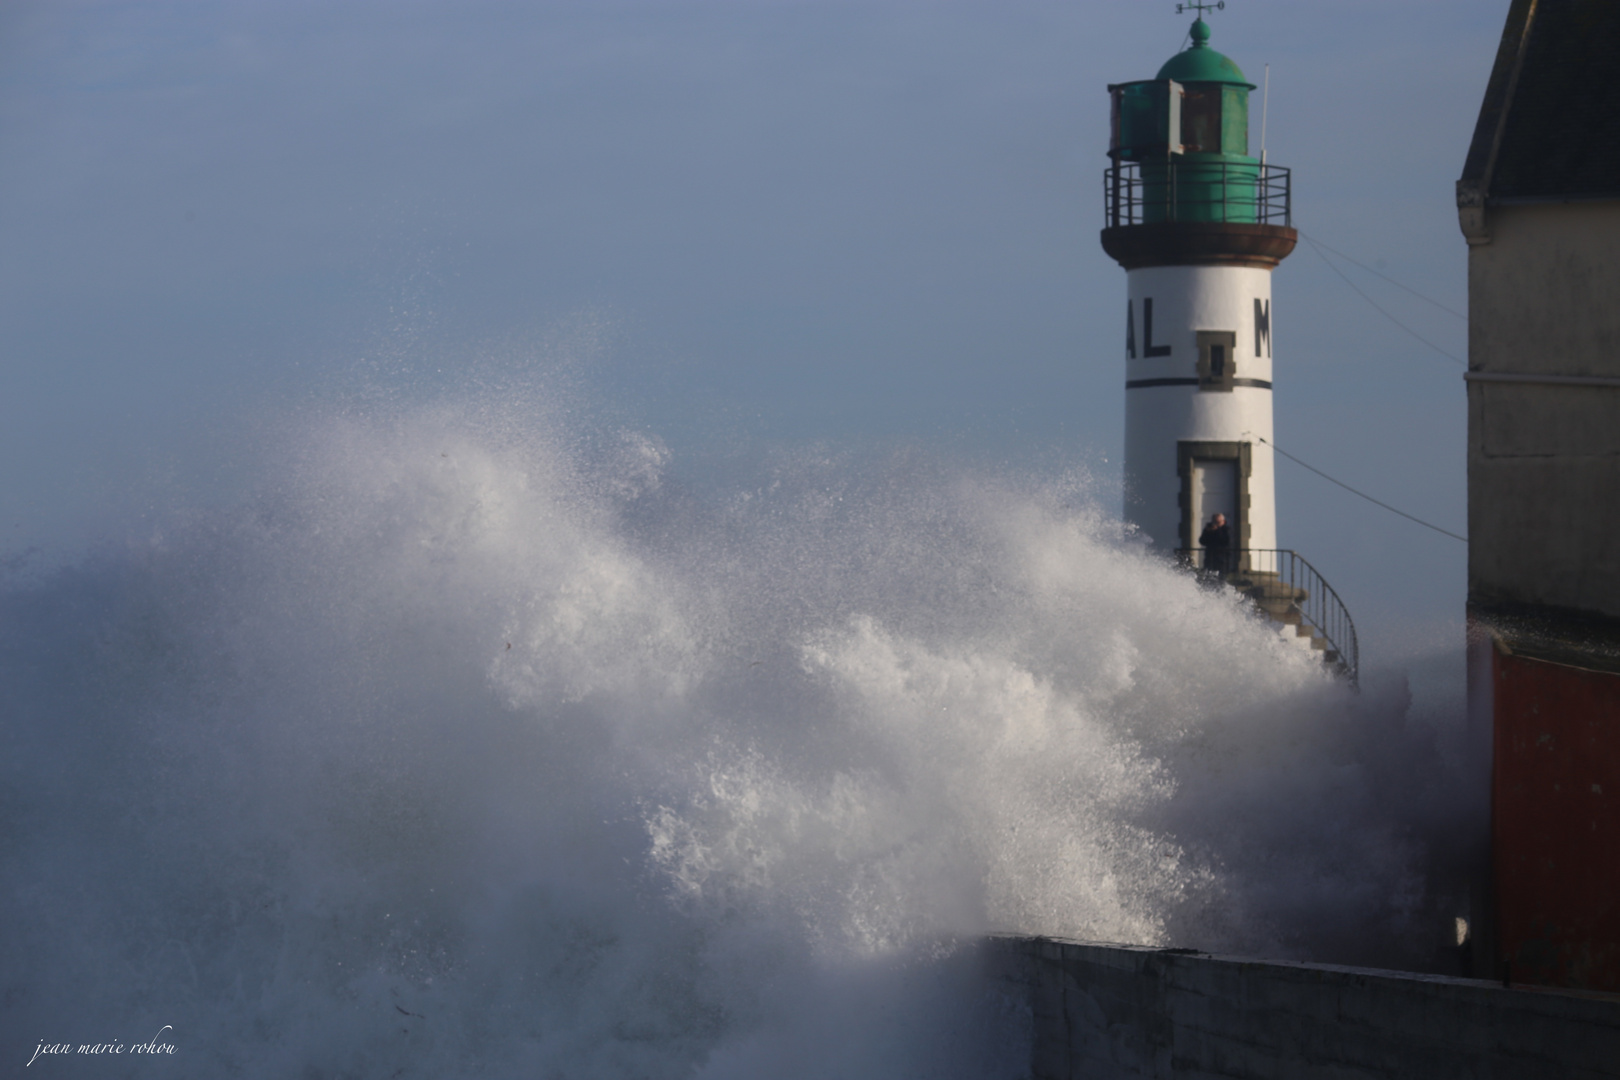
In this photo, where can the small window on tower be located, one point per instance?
(1201, 120)
(1217, 360)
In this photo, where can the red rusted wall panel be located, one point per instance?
(1556, 822)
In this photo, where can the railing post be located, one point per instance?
(1114, 213)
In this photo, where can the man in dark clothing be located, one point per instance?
(1216, 540)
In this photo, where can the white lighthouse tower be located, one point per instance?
(1198, 224)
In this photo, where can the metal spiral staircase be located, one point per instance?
(1289, 591)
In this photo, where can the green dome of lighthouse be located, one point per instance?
(1200, 63)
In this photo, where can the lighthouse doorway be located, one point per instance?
(1214, 480)
(1214, 491)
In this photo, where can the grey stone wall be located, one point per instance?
(1122, 1011)
(1543, 458)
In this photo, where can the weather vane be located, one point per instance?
(1218, 5)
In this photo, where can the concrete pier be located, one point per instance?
(1112, 1011)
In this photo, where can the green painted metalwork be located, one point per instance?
(1200, 63)
(1235, 120)
(1202, 171)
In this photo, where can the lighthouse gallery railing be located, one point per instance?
(1147, 193)
(1281, 577)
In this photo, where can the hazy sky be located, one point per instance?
(740, 223)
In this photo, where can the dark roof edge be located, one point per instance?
(1493, 112)
(1544, 200)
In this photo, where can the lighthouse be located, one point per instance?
(1199, 224)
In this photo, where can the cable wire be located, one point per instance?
(1381, 311)
(1386, 277)
(1363, 494)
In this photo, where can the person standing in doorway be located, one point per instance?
(1216, 540)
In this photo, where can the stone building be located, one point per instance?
(1539, 204)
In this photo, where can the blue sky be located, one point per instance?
(738, 224)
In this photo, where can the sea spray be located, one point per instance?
(473, 744)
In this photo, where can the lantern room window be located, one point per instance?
(1201, 120)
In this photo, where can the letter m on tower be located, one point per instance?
(1262, 327)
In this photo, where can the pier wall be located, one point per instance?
(1112, 1011)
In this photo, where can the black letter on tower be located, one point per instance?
(1148, 348)
(1130, 331)
(1262, 326)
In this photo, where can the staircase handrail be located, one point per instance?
(1320, 606)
